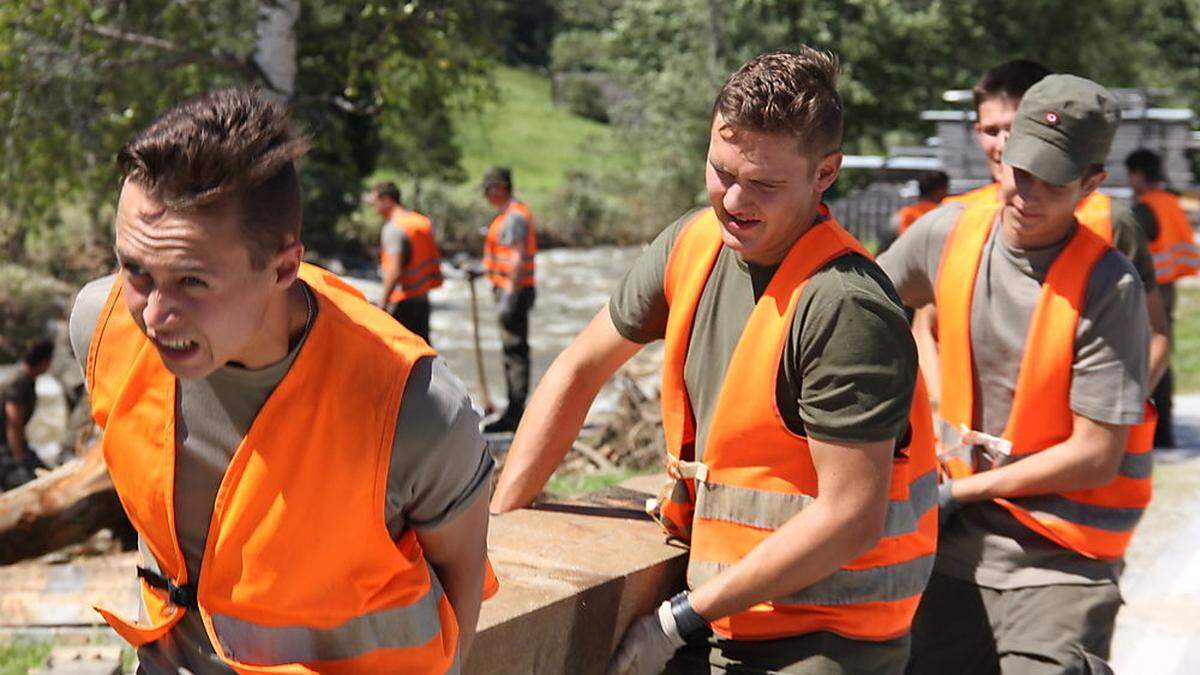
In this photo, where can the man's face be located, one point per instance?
(383, 205)
(764, 190)
(1138, 182)
(1036, 213)
(189, 284)
(496, 195)
(995, 118)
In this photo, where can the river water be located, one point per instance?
(573, 284)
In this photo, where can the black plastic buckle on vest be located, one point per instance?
(180, 596)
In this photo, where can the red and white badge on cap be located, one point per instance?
(1051, 118)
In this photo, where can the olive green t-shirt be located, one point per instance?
(983, 543)
(1130, 237)
(849, 364)
(439, 464)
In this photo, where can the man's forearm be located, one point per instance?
(15, 436)
(464, 590)
(554, 416)
(390, 280)
(1160, 341)
(808, 548)
(1074, 464)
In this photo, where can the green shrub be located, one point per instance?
(29, 303)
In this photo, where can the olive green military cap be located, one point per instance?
(1064, 125)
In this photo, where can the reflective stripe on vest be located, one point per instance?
(757, 475)
(500, 260)
(1095, 523)
(1174, 249)
(423, 271)
(359, 602)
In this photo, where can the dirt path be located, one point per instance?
(1158, 630)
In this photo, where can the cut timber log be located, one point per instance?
(62, 507)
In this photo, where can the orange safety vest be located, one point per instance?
(757, 474)
(1174, 249)
(1096, 523)
(500, 260)
(1094, 211)
(300, 574)
(989, 193)
(909, 214)
(423, 271)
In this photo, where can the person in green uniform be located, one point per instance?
(1003, 598)
(846, 378)
(18, 399)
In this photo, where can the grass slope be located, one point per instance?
(525, 130)
(1185, 354)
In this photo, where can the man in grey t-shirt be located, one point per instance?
(346, 538)
(1003, 597)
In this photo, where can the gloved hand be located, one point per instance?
(648, 645)
(947, 504)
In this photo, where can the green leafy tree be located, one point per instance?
(78, 77)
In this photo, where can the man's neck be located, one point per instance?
(283, 325)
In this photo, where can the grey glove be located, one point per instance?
(648, 645)
(947, 504)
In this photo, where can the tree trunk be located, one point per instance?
(62, 507)
(275, 52)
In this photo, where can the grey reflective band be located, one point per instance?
(396, 628)
(767, 510)
(1137, 465)
(1112, 519)
(417, 283)
(888, 583)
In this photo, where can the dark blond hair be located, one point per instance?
(787, 92)
(226, 145)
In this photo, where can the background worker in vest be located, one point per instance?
(18, 400)
(996, 97)
(932, 188)
(410, 261)
(780, 596)
(1173, 245)
(1011, 593)
(351, 475)
(508, 259)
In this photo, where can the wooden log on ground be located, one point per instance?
(62, 507)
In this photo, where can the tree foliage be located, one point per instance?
(79, 77)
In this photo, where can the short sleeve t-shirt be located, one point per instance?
(439, 463)
(20, 388)
(849, 365)
(983, 543)
(393, 240)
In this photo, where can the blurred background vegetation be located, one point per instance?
(600, 106)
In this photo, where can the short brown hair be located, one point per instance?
(787, 92)
(387, 189)
(230, 144)
(1010, 80)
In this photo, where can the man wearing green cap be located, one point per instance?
(1043, 380)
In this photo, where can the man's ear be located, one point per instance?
(827, 171)
(1092, 183)
(286, 263)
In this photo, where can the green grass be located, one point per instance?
(19, 656)
(525, 130)
(573, 484)
(1185, 356)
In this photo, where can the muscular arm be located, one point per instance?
(1160, 340)
(457, 550)
(17, 416)
(557, 410)
(1090, 458)
(844, 522)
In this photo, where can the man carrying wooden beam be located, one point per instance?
(306, 477)
(788, 365)
(1044, 350)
